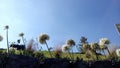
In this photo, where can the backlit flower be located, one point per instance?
(70, 42)
(104, 41)
(65, 48)
(21, 34)
(42, 38)
(118, 52)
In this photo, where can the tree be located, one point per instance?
(42, 40)
(6, 28)
(84, 44)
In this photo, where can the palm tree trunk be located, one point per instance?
(48, 49)
(7, 41)
(23, 40)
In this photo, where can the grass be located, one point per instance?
(62, 55)
(75, 55)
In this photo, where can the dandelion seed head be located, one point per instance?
(6, 27)
(70, 42)
(42, 38)
(21, 34)
(104, 41)
(65, 48)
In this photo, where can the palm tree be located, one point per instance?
(104, 42)
(1, 38)
(71, 43)
(6, 28)
(42, 40)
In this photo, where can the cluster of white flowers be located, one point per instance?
(70, 42)
(118, 52)
(104, 41)
(65, 48)
(1, 38)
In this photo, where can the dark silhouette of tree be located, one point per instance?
(83, 44)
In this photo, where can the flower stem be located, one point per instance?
(48, 49)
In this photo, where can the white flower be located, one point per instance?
(65, 48)
(43, 38)
(70, 42)
(1, 38)
(104, 41)
(118, 52)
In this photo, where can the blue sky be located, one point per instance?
(60, 19)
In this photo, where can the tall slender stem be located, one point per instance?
(23, 41)
(70, 55)
(96, 55)
(108, 51)
(48, 49)
(7, 40)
